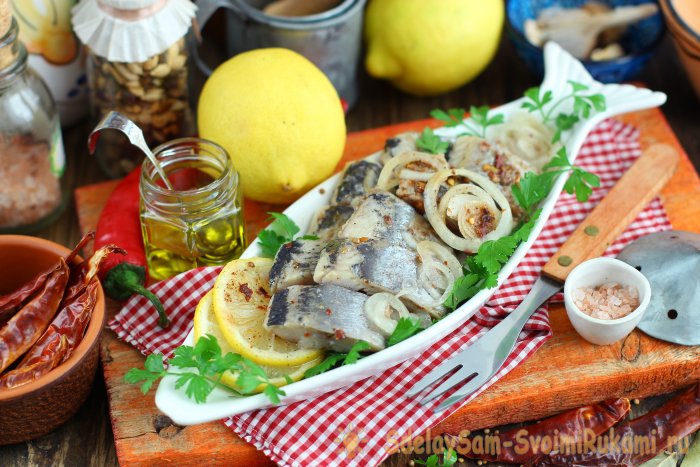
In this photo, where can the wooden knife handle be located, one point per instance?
(637, 187)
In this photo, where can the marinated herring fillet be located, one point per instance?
(328, 220)
(295, 263)
(499, 165)
(399, 144)
(374, 266)
(383, 216)
(356, 180)
(321, 317)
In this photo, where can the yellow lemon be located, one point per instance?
(279, 118)
(205, 323)
(428, 47)
(240, 297)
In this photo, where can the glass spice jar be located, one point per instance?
(32, 158)
(200, 222)
(145, 79)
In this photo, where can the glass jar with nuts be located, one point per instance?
(144, 76)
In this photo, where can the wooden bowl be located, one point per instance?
(37, 408)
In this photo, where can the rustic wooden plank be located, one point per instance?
(566, 372)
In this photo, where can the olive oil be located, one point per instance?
(200, 222)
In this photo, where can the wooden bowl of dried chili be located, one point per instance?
(50, 380)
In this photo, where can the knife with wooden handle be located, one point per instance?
(483, 358)
(637, 187)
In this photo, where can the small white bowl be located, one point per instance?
(601, 271)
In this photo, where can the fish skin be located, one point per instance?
(355, 181)
(383, 216)
(321, 316)
(329, 219)
(373, 266)
(294, 264)
(399, 144)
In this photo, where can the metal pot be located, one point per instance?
(331, 39)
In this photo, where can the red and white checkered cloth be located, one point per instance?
(360, 424)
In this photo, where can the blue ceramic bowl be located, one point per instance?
(639, 41)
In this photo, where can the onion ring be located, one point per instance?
(458, 205)
(396, 169)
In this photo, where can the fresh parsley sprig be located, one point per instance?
(479, 116)
(449, 458)
(405, 328)
(584, 104)
(432, 143)
(481, 270)
(207, 359)
(281, 231)
(533, 188)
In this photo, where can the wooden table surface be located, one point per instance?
(86, 439)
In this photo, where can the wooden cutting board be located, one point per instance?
(566, 372)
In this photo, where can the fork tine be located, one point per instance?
(461, 375)
(463, 392)
(435, 374)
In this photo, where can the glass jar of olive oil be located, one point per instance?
(200, 222)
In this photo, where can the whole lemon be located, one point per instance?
(279, 118)
(427, 47)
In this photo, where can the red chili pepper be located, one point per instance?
(12, 302)
(28, 324)
(119, 224)
(514, 445)
(56, 344)
(635, 442)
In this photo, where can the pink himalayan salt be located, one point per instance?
(606, 301)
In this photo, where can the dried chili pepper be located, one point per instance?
(12, 302)
(56, 353)
(67, 328)
(87, 270)
(522, 445)
(57, 343)
(28, 324)
(634, 442)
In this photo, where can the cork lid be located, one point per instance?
(131, 30)
(5, 23)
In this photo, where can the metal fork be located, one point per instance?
(483, 358)
(480, 361)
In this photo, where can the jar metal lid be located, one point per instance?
(131, 30)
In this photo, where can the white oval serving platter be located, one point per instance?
(560, 69)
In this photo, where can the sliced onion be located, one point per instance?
(395, 169)
(438, 272)
(381, 308)
(458, 202)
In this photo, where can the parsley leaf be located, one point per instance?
(331, 360)
(281, 231)
(449, 458)
(480, 116)
(582, 107)
(334, 359)
(453, 117)
(206, 358)
(354, 353)
(405, 328)
(432, 143)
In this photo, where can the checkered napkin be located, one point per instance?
(359, 425)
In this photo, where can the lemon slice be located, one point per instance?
(205, 323)
(240, 298)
